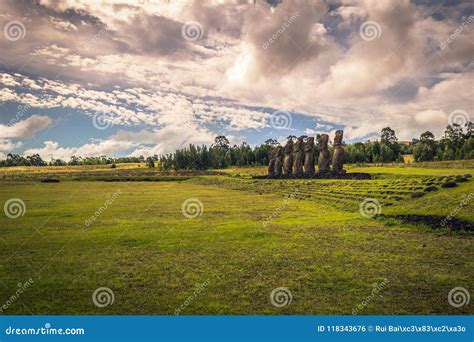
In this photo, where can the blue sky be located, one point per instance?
(147, 77)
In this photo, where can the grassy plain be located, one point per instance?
(253, 236)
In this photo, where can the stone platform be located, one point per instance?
(353, 175)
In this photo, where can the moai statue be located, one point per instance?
(309, 157)
(324, 155)
(288, 159)
(271, 161)
(278, 161)
(338, 156)
(298, 158)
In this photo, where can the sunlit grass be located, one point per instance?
(251, 238)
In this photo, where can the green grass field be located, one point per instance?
(252, 237)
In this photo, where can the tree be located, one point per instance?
(271, 142)
(35, 160)
(454, 136)
(425, 148)
(150, 162)
(355, 153)
(467, 150)
(222, 142)
(375, 152)
(469, 129)
(427, 138)
(423, 152)
(453, 140)
(448, 154)
(386, 154)
(75, 160)
(388, 136)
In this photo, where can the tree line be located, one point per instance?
(36, 160)
(457, 143)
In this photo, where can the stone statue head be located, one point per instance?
(310, 141)
(338, 137)
(323, 141)
(271, 152)
(299, 144)
(278, 151)
(289, 146)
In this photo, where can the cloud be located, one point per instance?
(25, 128)
(282, 39)
(133, 106)
(130, 60)
(144, 142)
(6, 146)
(350, 14)
(320, 129)
(62, 24)
(171, 141)
(52, 150)
(430, 120)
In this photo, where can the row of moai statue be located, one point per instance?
(296, 159)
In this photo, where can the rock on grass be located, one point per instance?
(449, 184)
(417, 194)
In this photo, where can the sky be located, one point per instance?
(145, 77)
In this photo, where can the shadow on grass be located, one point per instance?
(433, 221)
